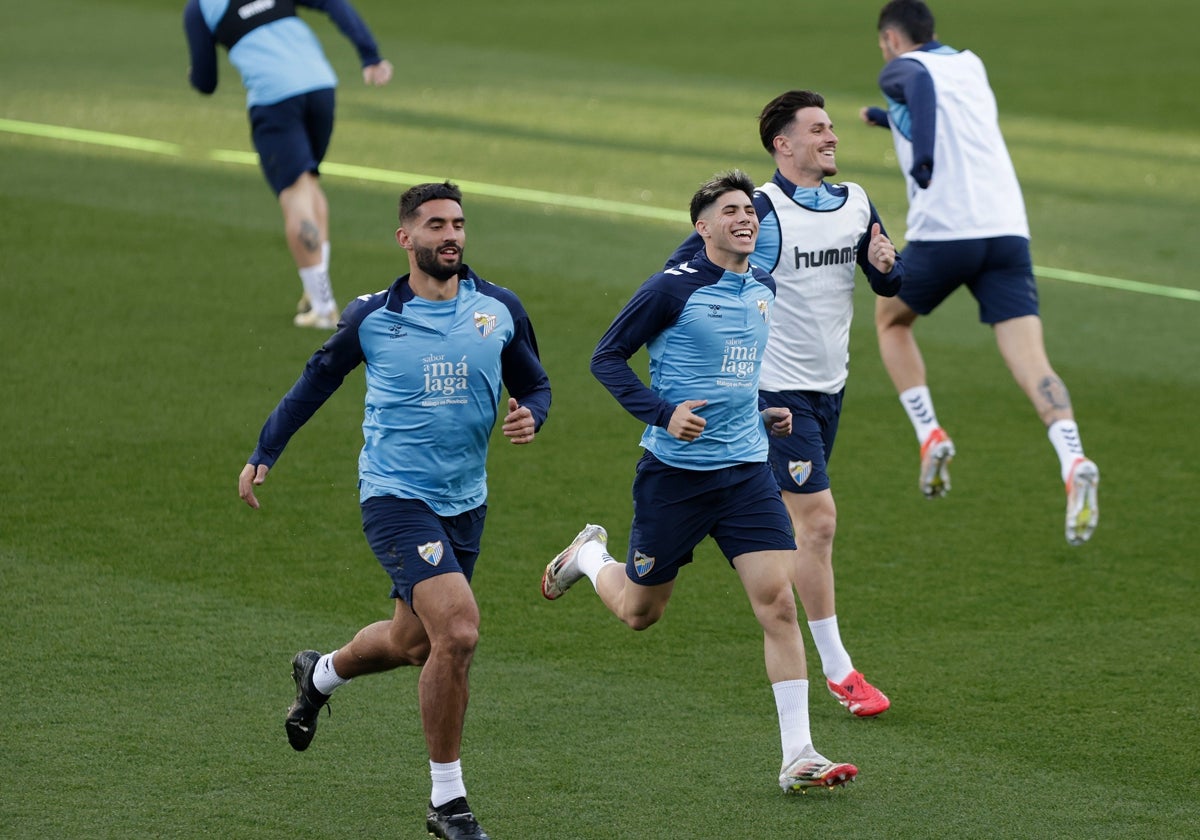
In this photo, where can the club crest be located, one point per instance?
(763, 309)
(431, 552)
(485, 323)
(642, 564)
(800, 471)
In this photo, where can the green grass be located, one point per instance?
(148, 617)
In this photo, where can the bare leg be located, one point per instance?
(305, 219)
(384, 645)
(1022, 345)
(814, 519)
(637, 606)
(897, 345)
(766, 577)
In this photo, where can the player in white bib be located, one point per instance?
(813, 237)
(966, 226)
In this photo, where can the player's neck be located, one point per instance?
(431, 288)
(728, 260)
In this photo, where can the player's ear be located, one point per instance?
(402, 239)
(702, 227)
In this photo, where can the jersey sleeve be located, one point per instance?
(646, 314)
(323, 375)
(350, 24)
(906, 81)
(202, 49)
(884, 285)
(521, 366)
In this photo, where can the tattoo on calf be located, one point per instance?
(1054, 392)
(310, 237)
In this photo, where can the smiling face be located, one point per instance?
(434, 238)
(806, 150)
(729, 227)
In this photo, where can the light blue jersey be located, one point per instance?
(277, 58)
(705, 329)
(435, 372)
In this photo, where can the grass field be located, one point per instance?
(148, 617)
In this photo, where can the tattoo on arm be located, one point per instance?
(1054, 392)
(310, 237)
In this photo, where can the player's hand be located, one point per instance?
(684, 424)
(379, 73)
(518, 423)
(778, 421)
(251, 477)
(881, 253)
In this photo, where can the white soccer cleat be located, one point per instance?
(323, 321)
(1083, 505)
(936, 454)
(562, 572)
(811, 769)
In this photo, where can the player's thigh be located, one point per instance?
(281, 138)
(672, 513)
(800, 461)
(932, 272)
(751, 516)
(413, 544)
(1004, 286)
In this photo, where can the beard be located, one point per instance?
(429, 262)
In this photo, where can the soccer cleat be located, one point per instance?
(301, 722)
(936, 454)
(323, 321)
(454, 821)
(859, 696)
(304, 304)
(811, 769)
(1083, 506)
(562, 572)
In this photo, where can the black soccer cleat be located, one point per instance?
(301, 722)
(454, 821)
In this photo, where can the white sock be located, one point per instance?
(315, 279)
(791, 701)
(835, 661)
(592, 557)
(325, 256)
(447, 782)
(1064, 435)
(919, 406)
(325, 676)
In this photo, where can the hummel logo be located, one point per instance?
(251, 9)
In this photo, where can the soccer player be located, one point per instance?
(438, 345)
(290, 95)
(812, 236)
(704, 471)
(966, 226)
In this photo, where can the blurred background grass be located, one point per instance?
(148, 617)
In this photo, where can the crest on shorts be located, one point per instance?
(642, 563)
(763, 310)
(800, 471)
(485, 323)
(431, 552)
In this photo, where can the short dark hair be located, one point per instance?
(778, 114)
(912, 17)
(414, 197)
(717, 186)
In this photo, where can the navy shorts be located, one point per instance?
(413, 543)
(997, 271)
(674, 509)
(800, 461)
(291, 136)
